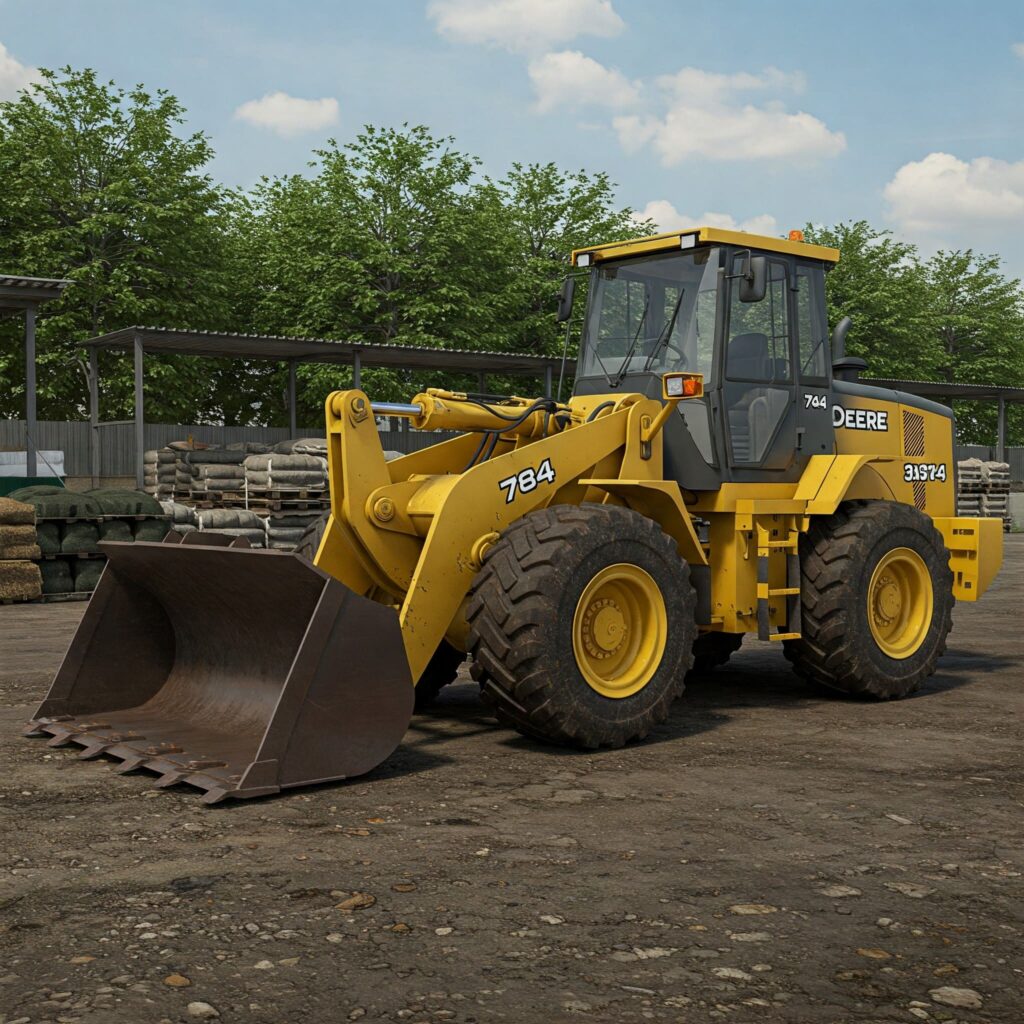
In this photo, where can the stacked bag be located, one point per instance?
(20, 579)
(286, 472)
(215, 469)
(983, 489)
(285, 531)
(183, 518)
(235, 522)
(303, 446)
(160, 472)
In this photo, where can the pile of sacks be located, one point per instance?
(215, 470)
(983, 489)
(285, 472)
(285, 531)
(160, 473)
(235, 522)
(20, 579)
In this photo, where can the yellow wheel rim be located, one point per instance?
(619, 630)
(900, 602)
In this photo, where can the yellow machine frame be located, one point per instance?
(412, 533)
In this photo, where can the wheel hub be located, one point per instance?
(620, 629)
(900, 602)
(604, 628)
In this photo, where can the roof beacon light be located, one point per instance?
(796, 235)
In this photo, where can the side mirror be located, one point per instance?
(565, 297)
(754, 279)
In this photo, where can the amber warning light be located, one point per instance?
(682, 385)
(796, 235)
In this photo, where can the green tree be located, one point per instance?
(880, 284)
(977, 316)
(390, 240)
(99, 187)
(549, 212)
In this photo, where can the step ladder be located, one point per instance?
(770, 545)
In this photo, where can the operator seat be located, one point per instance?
(747, 359)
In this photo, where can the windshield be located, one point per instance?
(653, 314)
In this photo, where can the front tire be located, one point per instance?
(582, 623)
(877, 600)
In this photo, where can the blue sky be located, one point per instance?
(909, 114)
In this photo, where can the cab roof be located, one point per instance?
(688, 238)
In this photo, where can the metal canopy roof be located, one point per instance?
(320, 350)
(19, 293)
(946, 389)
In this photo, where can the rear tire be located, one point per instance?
(582, 625)
(712, 649)
(877, 600)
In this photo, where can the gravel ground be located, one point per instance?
(771, 854)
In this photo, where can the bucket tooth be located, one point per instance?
(37, 728)
(169, 779)
(177, 668)
(130, 764)
(159, 749)
(94, 750)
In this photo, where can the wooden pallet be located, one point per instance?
(83, 595)
(70, 554)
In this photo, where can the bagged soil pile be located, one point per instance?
(215, 456)
(183, 528)
(249, 447)
(87, 574)
(18, 542)
(80, 538)
(116, 529)
(216, 476)
(188, 446)
(58, 503)
(20, 581)
(180, 514)
(56, 575)
(284, 532)
(158, 466)
(16, 513)
(234, 522)
(150, 529)
(286, 472)
(116, 501)
(229, 519)
(303, 446)
(48, 538)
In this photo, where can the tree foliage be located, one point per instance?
(393, 237)
(100, 188)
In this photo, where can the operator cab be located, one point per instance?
(746, 311)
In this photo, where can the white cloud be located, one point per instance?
(14, 75)
(1018, 49)
(940, 192)
(570, 79)
(668, 218)
(523, 26)
(703, 116)
(288, 115)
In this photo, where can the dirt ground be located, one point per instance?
(771, 854)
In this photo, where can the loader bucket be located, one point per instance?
(240, 671)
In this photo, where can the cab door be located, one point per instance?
(759, 383)
(815, 434)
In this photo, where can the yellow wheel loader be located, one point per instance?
(718, 471)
